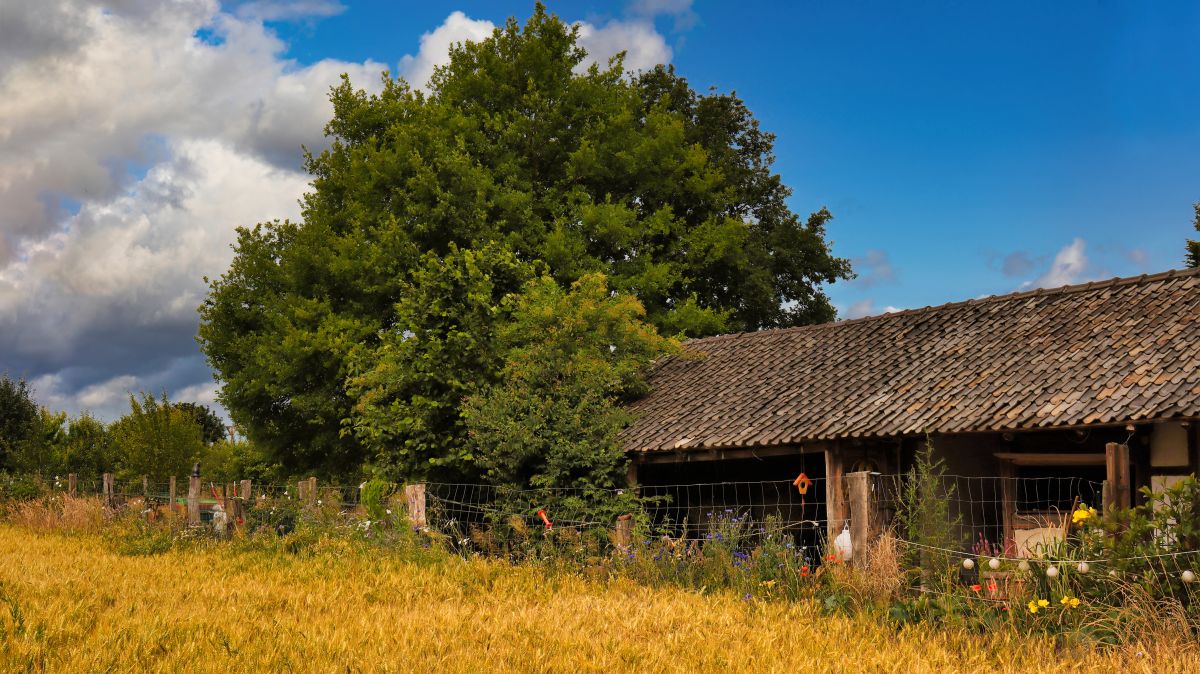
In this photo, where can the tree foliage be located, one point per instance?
(1193, 247)
(441, 347)
(20, 422)
(156, 439)
(667, 192)
(552, 417)
(212, 427)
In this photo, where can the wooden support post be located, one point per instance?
(631, 475)
(865, 520)
(193, 502)
(623, 533)
(835, 494)
(171, 492)
(312, 490)
(145, 487)
(107, 481)
(247, 490)
(1008, 502)
(414, 498)
(1116, 461)
(72, 485)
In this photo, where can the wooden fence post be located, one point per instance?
(247, 490)
(72, 484)
(865, 517)
(107, 481)
(145, 487)
(414, 497)
(1116, 462)
(171, 493)
(193, 502)
(835, 495)
(623, 534)
(306, 491)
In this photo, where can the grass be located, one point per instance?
(71, 603)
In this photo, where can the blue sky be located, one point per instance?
(965, 148)
(947, 137)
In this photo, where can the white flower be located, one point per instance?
(362, 486)
(318, 501)
(389, 511)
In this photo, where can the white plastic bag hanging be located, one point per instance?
(842, 545)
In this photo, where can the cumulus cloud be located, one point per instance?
(866, 307)
(644, 47)
(130, 149)
(435, 46)
(872, 269)
(1070, 266)
(135, 136)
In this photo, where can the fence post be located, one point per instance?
(835, 495)
(72, 484)
(171, 493)
(623, 534)
(1116, 462)
(193, 502)
(865, 517)
(145, 487)
(246, 490)
(306, 490)
(107, 480)
(414, 497)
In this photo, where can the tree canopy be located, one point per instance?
(1193, 247)
(521, 149)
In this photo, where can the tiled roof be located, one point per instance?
(1100, 353)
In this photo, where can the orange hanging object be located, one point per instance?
(802, 483)
(542, 514)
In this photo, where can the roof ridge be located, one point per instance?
(1113, 282)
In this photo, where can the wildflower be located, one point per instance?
(1068, 601)
(830, 558)
(1082, 514)
(747, 597)
(388, 511)
(976, 587)
(1038, 604)
(769, 583)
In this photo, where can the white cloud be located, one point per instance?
(644, 47)
(866, 307)
(1070, 266)
(435, 46)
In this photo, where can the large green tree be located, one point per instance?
(667, 192)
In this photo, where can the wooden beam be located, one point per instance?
(691, 455)
(1048, 459)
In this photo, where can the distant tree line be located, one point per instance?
(156, 438)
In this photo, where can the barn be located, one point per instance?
(1034, 400)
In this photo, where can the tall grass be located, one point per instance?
(71, 604)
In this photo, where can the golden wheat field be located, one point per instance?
(70, 604)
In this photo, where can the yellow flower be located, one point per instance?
(1037, 605)
(1082, 514)
(769, 583)
(1069, 602)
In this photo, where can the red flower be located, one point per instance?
(830, 558)
(976, 587)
